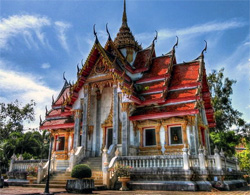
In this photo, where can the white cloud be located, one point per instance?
(194, 30)
(61, 27)
(24, 87)
(45, 65)
(17, 24)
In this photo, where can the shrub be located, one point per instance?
(81, 171)
(27, 156)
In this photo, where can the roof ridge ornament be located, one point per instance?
(82, 62)
(107, 30)
(96, 38)
(40, 120)
(65, 78)
(78, 69)
(46, 110)
(205, 49)
(176, 44)
(156, 36)
(53, 100)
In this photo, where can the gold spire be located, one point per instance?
(124, 16)
(125, 38)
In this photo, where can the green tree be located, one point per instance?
(225, 115)
(227, 140)
(20, 143)
(221, 89)
(244, 157)
(12, 116)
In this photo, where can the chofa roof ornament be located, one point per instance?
(96, 38)
(107, 30)
(205, 49)
(176, 44)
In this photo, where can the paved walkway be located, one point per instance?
(14, 190)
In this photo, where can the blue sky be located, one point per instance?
(39, 40)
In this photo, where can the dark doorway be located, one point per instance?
(61, 143)
(109, 137)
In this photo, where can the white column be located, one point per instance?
(185, 159)
(202, 161)
(217, 159)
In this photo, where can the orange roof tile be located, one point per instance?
(185, 74)
(142, 58)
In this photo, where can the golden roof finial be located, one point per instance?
(124, 16)
(125, 37)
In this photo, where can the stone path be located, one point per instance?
(14, 190)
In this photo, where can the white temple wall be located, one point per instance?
(106, 99)
(69, 142)
(132, 134)
(191, 139)
(162, 139)
(94, 130)
(77, 103)
(92, 121)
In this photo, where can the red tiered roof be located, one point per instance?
(186, 73)
(160, 66)
(59, 117)
(142, 58)
(164, 89)
(165, 112)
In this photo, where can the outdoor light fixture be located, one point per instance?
(46, 190)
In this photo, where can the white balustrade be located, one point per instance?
(151, 161)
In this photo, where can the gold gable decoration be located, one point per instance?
(100, 67)
(109, 119)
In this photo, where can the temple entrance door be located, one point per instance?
(109, 137)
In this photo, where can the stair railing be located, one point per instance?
(108, 159)
(42, 171)
(76, 156)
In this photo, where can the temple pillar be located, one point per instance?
(191, 141)
(98, 122)
(186, 165)
(115, 115)
(85, 117)
(196, 135)
(125, 129)
(66, 145)
(202, 160)
(208, 141)
(72, 142)
(217, 159)
(77, 128)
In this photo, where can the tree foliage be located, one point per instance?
(244, 157)
(221, 89)
(226, 140)
(225, 115)
(13, 140)
(12, 116)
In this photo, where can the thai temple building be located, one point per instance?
(130, 106)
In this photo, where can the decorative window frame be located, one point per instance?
(176, 121)
(62, 154)
(169, 135)
(148, 124)
(144, 136)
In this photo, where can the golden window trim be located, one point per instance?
(175, 122)
(149, 125)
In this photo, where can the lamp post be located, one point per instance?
(46, 190)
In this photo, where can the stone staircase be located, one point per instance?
(62, 165)
(60, 176)
(57, 180)
(95, 163)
